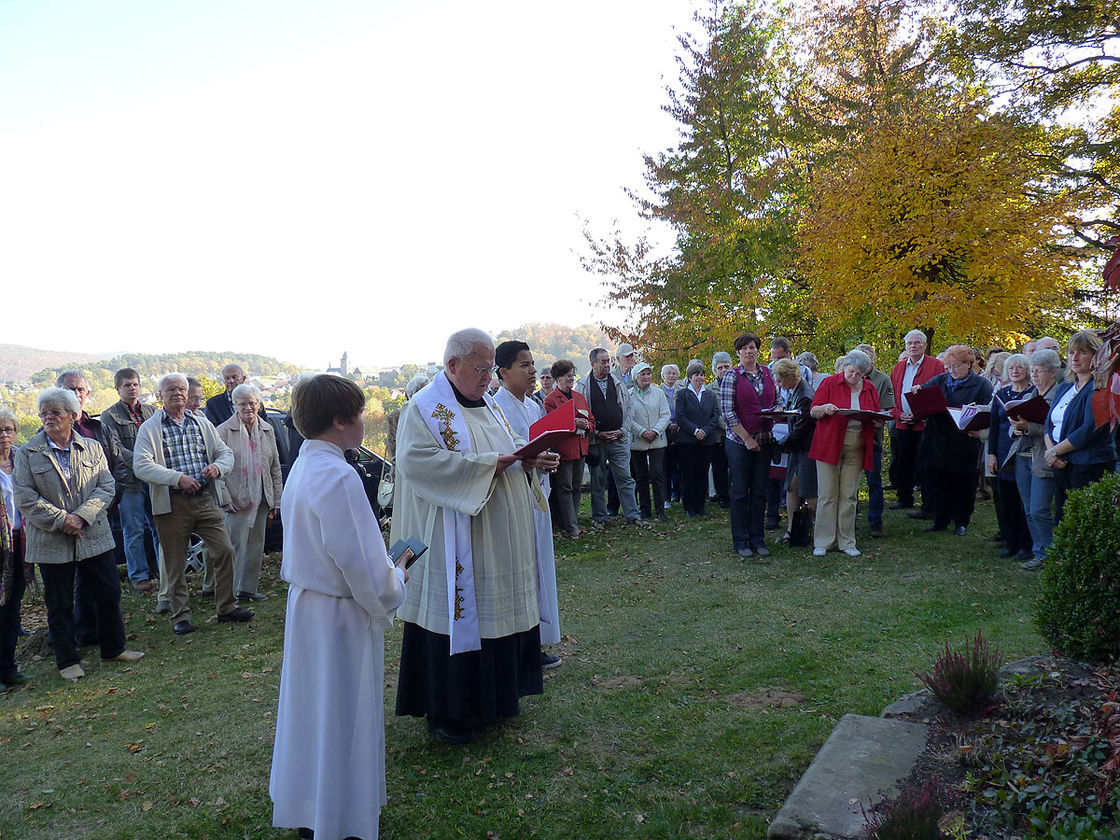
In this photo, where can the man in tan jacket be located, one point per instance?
(182, 459)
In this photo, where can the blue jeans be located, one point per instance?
(749, 474)
(613, 456)
(136, 517)
(875, 483)
(1040, 517)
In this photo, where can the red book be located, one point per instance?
(927, 401)
(550, 429)
(1033, 410)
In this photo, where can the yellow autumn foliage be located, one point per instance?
(935, 217)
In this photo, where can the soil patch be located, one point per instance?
(775, 698)
(964, 756)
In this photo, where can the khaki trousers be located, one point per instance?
(197, 514)
(837, 490)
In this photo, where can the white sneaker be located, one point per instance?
(127, 656)
(851, 552)
(820, 552)
(72, 673)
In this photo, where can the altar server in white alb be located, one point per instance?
(518, 376)
(328, 761)
(470, 646)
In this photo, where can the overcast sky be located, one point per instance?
(298, 179)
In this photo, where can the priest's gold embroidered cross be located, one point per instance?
(445, 415)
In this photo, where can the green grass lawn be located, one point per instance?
(695, 690)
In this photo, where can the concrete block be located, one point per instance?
(863, 759)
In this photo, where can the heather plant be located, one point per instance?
(965, 681)
(913, 815)
(1079, 605)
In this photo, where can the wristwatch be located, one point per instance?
(1054, 452)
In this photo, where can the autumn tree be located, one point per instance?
(927, 208)
(930, 218)
(1058, 61)
(725, 191)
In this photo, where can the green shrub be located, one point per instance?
(966, 682)
(1079, 608)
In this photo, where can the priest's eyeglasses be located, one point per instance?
(481, 371)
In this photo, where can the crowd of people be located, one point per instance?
(762, 436)
(171, 472)
(480, 606)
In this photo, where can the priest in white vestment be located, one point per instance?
(328, 760)
(470, 646)
(518, 375)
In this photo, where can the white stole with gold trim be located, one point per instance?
(444, 417)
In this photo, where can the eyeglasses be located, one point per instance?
(481, 371)
(44, 415)
(7, 431)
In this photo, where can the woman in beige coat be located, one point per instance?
(649, 418)
(253, 486)
(63, 490)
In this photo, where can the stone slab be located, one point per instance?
(917, 704)
(862, 759)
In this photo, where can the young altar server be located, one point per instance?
(328, 761)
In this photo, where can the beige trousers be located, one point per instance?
(246, 532)
(837, 490)
(197, 514)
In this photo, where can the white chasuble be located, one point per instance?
(521, 415)
(328, 759)
(431, 479)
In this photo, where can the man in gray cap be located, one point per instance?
(626, 358)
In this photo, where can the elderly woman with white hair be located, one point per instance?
(1035, 480)
(393, 418)
(721, 476)
(843, 448)
(254, 486)
(1004, 443)
(671, 385)
(649, 420)
(63, 490)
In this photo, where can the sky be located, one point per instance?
(298, 179)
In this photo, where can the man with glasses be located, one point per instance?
(471, 643)
(183, 460)
(916, 368)
(219, 408)
(609, 399)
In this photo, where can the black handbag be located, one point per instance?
(801, 526)
(593, 457)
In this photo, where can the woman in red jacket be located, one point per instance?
(568, 477)
(843, 448)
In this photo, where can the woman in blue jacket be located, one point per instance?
(1079, 451)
